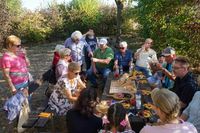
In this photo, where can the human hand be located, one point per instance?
(90, 54)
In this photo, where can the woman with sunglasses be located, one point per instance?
(167, 107)
(14, 65)
(123, 57)
(66, 90)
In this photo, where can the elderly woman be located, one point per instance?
(62, 65)
(77, 44)
(14, 65)
(81, 118)
(66, 90)
(123, 57)
(167, 106)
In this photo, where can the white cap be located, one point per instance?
(59, 47)
(103, 41)
(123, 44)
(76, 35)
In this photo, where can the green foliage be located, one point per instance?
(167, 23)
(33, 27)
(14, 6)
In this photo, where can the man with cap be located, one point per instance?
(101, 62)
(144, 56)
(169, 54)
(123, 57)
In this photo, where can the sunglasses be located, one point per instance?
(121, 47)
(18, 46)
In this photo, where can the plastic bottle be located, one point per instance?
(120, 70)
(116, 73)
(131, 68)
(138, 100)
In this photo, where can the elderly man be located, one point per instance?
(77, 44)
(169, 54)
(184, 85)
(144, 56)
(123, 57)
(101, 62)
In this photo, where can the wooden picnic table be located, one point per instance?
(137, 122)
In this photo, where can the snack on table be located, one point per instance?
(148, 106)
(102, 107)
(126, 105)
(146, 92)
(146, 113)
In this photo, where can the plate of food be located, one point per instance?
(102, 107)
(145, 113)
(146, 92)
(120, 96)
(148, 106)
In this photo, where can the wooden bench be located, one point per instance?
(35, 121)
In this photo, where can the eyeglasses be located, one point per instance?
(18, 46)
(121, 47)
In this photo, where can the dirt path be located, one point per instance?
(40, 57)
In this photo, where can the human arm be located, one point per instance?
(166, 72)
(137, 53)
(6, 75)
(69, 96)
(103, 61)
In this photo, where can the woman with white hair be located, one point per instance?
(123, 57)
(76, 44)
(167, 107)
(62, 65)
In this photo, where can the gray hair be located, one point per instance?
(76, 35)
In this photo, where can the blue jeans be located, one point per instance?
(92, 77)
(144, 70)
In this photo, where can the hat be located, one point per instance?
(168, 51)
(123, 44)
(103, 41)
(59, 47)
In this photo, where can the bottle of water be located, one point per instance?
(138, 100)
(131, 68)
(120, 70)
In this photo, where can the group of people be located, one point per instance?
(175, 100)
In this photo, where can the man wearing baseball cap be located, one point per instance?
(101, 62)
(169, 54)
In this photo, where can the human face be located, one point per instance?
(178, 69)
(122, 49)
(169, 58)
(148, 44)
(102, 46)
(16, 47)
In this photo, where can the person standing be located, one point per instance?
(91, 40)
(144, 56)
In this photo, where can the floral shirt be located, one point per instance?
(58, 100)
(127, 131)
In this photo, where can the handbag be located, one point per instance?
(23, 116)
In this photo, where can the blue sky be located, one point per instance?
(35, 4)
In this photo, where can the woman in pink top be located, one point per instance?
(14, 65)
(167, 106)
